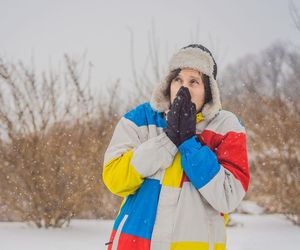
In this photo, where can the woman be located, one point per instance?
(179, 161)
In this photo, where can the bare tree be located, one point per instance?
(294, 14)
(146, 78)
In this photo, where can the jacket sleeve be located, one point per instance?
(222, 177)
(129, 158)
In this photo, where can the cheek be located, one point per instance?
(198, 96)
(173, 91)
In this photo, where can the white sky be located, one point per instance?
(47, 29)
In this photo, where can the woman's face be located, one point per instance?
(191, 79)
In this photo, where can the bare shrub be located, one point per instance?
(264, 91)
(53, 136)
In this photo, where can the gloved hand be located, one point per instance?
(172, 129)
(187, 118)
(181, 119)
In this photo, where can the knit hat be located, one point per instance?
(197, 57)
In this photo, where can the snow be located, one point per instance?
(249, 207)
(81, 234)
(261, 232)
(252, 232)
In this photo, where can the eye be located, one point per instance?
(177, 79)
(193, 81)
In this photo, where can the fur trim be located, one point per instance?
(197, 59)
(158, 100)
(193, 58)
(212, 107)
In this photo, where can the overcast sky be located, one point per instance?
(47, 29)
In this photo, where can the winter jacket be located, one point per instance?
(175, 198)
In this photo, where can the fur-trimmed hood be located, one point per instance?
(197, 57)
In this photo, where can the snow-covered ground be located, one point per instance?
(252, 232)
(263, 232)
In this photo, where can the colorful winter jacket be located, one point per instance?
(175, 198)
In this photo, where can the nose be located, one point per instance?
(186, 84)
(186, 89)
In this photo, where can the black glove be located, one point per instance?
(181, 119)
(172, 129)
(187, 118)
